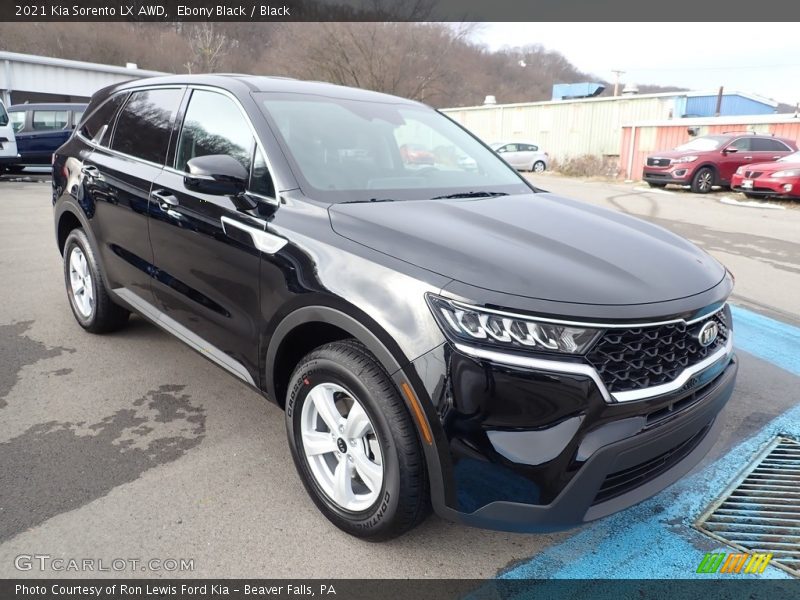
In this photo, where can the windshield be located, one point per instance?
(354, 150)
(794, 157)
(704, 144)
(3, 116)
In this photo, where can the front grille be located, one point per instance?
(658, 162)
(643, 357)
(753, 174)
(623, 481)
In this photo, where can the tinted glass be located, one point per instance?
(214, 125)
(260, 179)
(17, 119)
(350, 150)
(145, 124)
(49, 120)
(768, 145)
(102, 118)
(741, 144)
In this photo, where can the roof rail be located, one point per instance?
(746, 133)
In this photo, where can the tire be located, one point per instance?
(656, 185)
(344, 376)
(538, 166)
(93, 308)
(703, 180)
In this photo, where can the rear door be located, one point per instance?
(768, 149)
(511, 154)
(207, 277)
(118, 177)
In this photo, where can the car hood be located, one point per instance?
(534, 245)
(678, 153)
(771, 167)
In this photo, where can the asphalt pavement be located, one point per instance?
(131, 446)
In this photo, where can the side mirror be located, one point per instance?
(216, 174)
(730, 150)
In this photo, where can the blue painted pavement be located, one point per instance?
(655, 539)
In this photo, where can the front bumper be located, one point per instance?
(533, 450)
(679, 175)
(768, 186)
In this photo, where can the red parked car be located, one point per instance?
(780, 179)
(712, 160)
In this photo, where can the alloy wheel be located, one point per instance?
(341, 448)
(80, 279)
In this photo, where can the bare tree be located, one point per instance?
(209, 47)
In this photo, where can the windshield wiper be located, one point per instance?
(367, 201)
(470, 195)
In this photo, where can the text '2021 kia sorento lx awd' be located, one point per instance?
(437, 334)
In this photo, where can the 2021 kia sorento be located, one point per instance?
(438, 334)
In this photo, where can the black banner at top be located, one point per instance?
(712, 11)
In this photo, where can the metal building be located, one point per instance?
(570, 128)
(31, 78)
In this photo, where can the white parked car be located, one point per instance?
(8, 143)
(523, 156)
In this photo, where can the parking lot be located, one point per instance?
(133, 446)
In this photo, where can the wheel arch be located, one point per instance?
(710, 165)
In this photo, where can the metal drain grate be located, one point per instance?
(762, 512)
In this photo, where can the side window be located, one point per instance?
(260, 179)
(145, 124)
(214, 125)
(511, 148)
(49, 120)
(533, 148)
(769, 145)
(742, 144)
(76, 118)
(98, 126)
(17, 118)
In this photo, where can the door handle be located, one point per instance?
(748, 157)
(165, 200)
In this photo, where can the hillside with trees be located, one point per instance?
(431, 62)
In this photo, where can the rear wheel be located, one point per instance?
(354, 444)
(93, 308)
(538, 166)
(703, 180)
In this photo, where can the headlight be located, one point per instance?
(684, 159)
(462, 323)
(787, 173)
(740, 171)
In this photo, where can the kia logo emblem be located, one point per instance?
(708, 333)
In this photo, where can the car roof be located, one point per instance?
(47, 106)
(260, 83)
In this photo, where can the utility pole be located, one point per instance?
(617, 74)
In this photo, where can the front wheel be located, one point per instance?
(703, 180)
(354, 444)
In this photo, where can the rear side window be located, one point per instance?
(98, 126)
(17, 118)
(214, 125)
(145, 124)
(768, 145)
(49, 120)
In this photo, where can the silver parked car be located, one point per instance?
(523, 156)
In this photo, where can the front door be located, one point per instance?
(207, 265)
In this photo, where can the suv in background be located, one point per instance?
(441, 334)
(40, 129)
(8, 144)
(704, 162)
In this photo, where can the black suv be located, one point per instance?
(437, 333)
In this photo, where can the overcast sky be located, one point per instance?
(760, 58)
